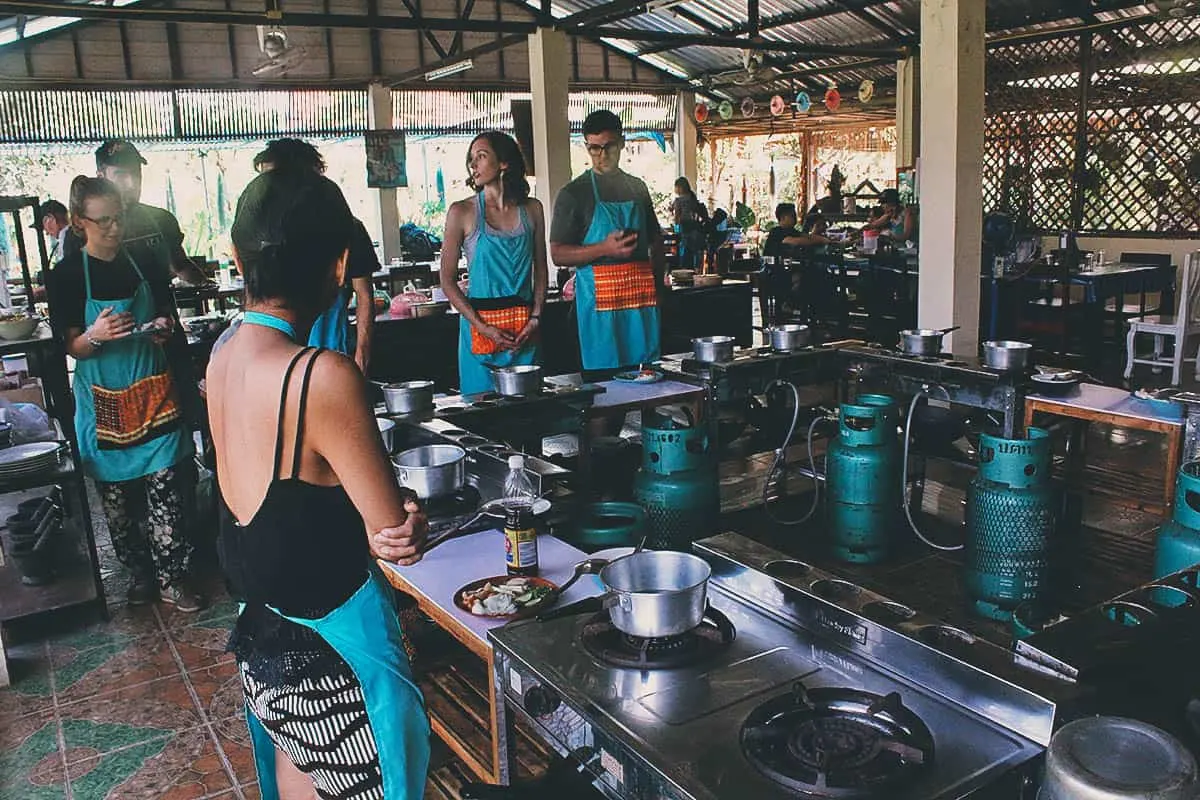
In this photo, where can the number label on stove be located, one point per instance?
(612, 766)
(514, 680)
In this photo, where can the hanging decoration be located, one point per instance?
(777, 106)
(725, 110)
(833, 98)
(866, 90)
(701, 112)
(748, 107)
(803, 102)
(771, 179)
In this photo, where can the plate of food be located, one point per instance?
(644, 375)
(503, 596)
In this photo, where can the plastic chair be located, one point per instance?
(1177, 327)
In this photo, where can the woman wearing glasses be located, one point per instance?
(502, 231)
(115, 315)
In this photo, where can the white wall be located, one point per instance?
(1113, 248)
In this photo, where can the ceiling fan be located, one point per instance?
(279, 56)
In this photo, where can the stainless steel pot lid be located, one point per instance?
(713, 340)
(1114, 758)
(1008, 345)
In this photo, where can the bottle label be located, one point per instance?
(520, 548)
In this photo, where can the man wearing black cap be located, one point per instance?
(51, 219)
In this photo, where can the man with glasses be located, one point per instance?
(605, 227)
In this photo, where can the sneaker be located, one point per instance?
(182, 599)
(142, 591)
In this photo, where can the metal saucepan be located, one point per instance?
(1006, 356)
(407, 397)
(923, 341)
(785, 338)
(656, 593)
(432, 471)
(713, 349)
(387, 430)
(525, 379)
(1055, 382)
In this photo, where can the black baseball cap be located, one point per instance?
(46, 209)
(118, 153)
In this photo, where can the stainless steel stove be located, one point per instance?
(788, 694)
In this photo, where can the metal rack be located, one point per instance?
(78, 584)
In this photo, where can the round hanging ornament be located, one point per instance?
(701, 112)
(748, 107)
(833, 98)
(777, 106)
(803, 102)
(866, 90)
(725, 109)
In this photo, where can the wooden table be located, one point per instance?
(1117, 407)
(434, 581)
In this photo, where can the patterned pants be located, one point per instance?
(147, 520)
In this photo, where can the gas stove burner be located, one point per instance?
(956, 363)
(484, 404)
(486, 396)
(610, 646)
(454, 433)
(833, 742)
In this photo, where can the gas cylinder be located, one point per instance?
(1012, 512)
(862, 480)
(1179, 538)
(677, 483)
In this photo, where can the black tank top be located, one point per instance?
(304, 552)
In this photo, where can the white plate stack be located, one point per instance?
(28, 459)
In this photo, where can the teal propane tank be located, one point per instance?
(677, 484)
(1179, 538)
(862, 480)
(1012, 511)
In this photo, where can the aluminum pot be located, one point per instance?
(436, 470)
(387, 430)
(713, 349)
(525, 379)
(922, 341)
(785, 338)
(1114, 758)
(408, 397)
(1006, 356)
(656, 593)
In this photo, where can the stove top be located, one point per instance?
(611, 647)
(771, 704)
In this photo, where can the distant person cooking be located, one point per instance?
(895, 219)
(605, 227)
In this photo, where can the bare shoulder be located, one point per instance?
(534, 206)
(335, 374)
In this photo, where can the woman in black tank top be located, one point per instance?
(308, 501)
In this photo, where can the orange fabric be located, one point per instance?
(129, 417)
(624, 286)
(512, 319)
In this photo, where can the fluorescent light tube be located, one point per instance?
(449, 69)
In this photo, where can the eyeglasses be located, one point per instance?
(105, 222)
(611, 147)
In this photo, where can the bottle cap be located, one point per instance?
(516, 462)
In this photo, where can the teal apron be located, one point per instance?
(331, 328)
(500, 286)
(365, 631)
(127, 414)
(622, 337)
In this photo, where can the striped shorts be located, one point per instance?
(322, 725)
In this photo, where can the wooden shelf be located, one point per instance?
(74, 584)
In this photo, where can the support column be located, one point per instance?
(380, 98)
(685, 138)
(908, 111)
(952, 107)
(548, 59)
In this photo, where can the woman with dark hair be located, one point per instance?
(895, 218)
(690, 217)
(115, 315)
(502, 231)
(308, 498)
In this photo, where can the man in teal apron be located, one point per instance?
(604, 225)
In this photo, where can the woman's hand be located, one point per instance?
(526, 332)
(402, 545)
(503, 339)
(110, 325)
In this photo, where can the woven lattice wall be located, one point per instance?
(1119, 154)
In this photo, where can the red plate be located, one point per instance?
(496, 579)
(701, 112)
(833, 98)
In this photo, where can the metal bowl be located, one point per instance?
(408, 397)
(435, 470)
(1006, 356)
(525, 379)
(713, 349)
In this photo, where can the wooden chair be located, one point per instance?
(1177, 327)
